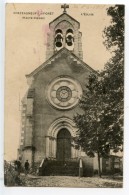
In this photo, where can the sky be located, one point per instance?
(25, 50)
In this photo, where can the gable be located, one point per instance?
(74, 62)
(66, 17)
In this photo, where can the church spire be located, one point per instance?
(65, 6)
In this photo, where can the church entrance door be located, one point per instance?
(63, 145)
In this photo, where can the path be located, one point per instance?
(66, 181)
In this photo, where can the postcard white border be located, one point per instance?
(63, 191)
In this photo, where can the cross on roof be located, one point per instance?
(65, 6)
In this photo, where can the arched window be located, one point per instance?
(58, 38)
(58, 31)
(69, 38)
(69, 31)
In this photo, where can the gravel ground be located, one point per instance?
(67, 181)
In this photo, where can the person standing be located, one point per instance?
(26, 167)
(19, 166)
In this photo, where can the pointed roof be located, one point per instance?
(56, 56)
(63, 15)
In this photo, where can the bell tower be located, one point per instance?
(64, 32)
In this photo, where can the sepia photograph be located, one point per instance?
(64, 95)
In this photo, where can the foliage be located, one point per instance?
(100, 127)
(12, 175)
(91, 125)
(114, 34)
(113, 73)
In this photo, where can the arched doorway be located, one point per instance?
(63, 145)
(60, 124)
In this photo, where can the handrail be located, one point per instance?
(41, 164)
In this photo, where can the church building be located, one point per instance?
(55, 87)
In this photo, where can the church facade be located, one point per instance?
(55, 87)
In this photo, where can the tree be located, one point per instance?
(91, 125)
(100, 125)
(114, 34)
(113, 73)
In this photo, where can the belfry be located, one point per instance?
(55, 87)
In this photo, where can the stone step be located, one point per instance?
(61, 168)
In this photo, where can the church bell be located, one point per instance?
(58, 40)
(69, 40)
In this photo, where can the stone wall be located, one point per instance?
(44, 113)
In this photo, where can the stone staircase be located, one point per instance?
(56, 167)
